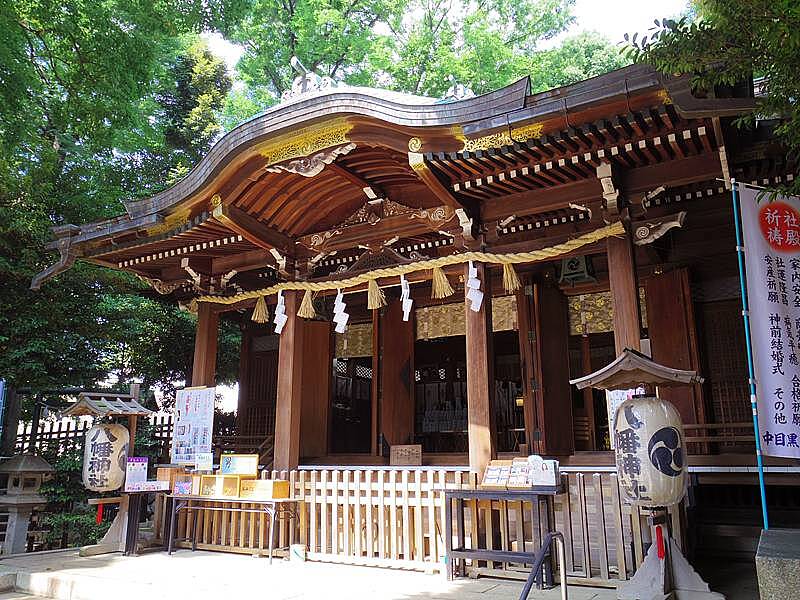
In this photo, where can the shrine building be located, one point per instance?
(595, 217)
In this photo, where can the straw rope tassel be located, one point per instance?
(375, 296)
(260, 313)
(441, 287)
(307, 307)
(511, 281)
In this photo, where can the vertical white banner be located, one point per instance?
(772, 259)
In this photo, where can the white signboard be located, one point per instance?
(613, 399)
(135, 472)
(194, 422)
(772, 258)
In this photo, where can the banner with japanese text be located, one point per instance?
(771, 230)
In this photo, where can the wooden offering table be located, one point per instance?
(274, 508)
(536, 496)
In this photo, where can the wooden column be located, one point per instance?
(527, 356)
(673, 338)
(375, 388)
(290, 379)
(588, 393)
(552, 390)
(316, 392)
(204, 366)
(480, 376)
(397, 376)
(624, 293)
(243, 401)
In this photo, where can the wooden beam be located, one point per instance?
(251, 229)
(204, 365)
(624, 286)
(480, 377)
(290, 380)
(358, 181)
(428, 177)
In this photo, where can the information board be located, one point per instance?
(194, 422)
(135, 472)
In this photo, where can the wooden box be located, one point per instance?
(263, 489)
(169, 474)
(219, 486)
(186, 485)
(410, 455)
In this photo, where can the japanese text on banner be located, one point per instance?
(772, 258)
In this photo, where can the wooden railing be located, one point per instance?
(394, 517)
(712, 438)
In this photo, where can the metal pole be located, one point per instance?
(750, 369)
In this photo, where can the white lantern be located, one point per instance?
(650, 454)
(104, 456)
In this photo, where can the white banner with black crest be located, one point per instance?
(771, 230)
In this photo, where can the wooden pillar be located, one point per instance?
(673, 338)
(243, 402)
(624, 293)
(527, 358)
(204, 366)
(480, 376)
(375, 388)
(552, 392)
(397, 376)
(290, 379)
(316, 392)
(588, 393)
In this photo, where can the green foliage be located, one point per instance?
(415, 46)
(99, 102)
(725, 43)
(578, 57)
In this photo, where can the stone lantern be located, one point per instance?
(25, 473)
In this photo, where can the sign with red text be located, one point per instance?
(772, 257)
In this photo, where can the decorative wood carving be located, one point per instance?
(376, 211)
(309, 166)
(504, 138)
(647, 233)
(306, 141)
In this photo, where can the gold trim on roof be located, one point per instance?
(504, 138)
(306, 141)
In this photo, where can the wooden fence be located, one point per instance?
(70, 432)
(394, 517)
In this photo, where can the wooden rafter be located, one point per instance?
(252, 229)
(370, 190)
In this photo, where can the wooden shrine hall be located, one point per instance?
(594, 217)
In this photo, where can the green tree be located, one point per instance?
(721, 44)
(578, 57)
(78, 120)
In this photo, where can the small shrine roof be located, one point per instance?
(632, 369)
(105, 405)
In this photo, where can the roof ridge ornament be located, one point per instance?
(306, 82)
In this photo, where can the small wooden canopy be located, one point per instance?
(632, 369)
(98, 404)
